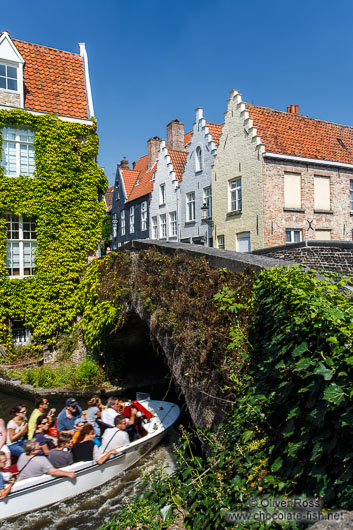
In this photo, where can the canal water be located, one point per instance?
(91, 509)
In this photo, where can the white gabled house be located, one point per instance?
(165, 199)
(195, 188)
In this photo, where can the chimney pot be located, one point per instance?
(293, 109)
(124, 164)
(175, 135)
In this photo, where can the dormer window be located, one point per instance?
(8, 77)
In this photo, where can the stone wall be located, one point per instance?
(335, 256)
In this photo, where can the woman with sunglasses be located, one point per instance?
(17, 430)
(39, 435)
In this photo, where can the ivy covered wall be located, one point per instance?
(62, 198)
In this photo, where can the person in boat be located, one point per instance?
(17, 430)
(41, 407)
(40, 435)
(115, 407)
(115, 436)
(3, 438)
(67, 417)
(93, 413)
(61, 456)
(30, 464)
(85, 449)
(5, 488)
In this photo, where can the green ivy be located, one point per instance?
(62, 197)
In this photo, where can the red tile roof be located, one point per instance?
(296, 135)
(178, 159)
(129, 177)
(215, 131)
(187, 137)
(109, 197)
(143, 184)
(53, 80)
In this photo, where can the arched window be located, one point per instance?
(198, 159)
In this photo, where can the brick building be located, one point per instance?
(280, 177)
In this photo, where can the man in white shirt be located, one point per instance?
(112, 410)
(116, 436)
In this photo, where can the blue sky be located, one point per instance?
(154, 61)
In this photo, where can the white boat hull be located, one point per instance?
(33, 493)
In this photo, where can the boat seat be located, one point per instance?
(12, 469)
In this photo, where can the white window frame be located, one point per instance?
(221, 242)
(163, 225)
(122, 217)
(190, 206)
(351, 195)
(12, 153)
(144, 215)
(198, 159)
(23, 334)
(292, 232)
(7, 77)
(154, 228)
(132, 219)
(25, 239)
(235, 195)
(173, 227)
(207, 199)
(162, 194)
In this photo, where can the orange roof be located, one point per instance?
(109, 197)
(143, 184)
(129, 177)
(178, 159)
(187, 137)
(296, 135)
(53, 80)
(215, 131)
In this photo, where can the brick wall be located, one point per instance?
(276, 218)
(332, 256)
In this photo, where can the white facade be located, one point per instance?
(165, 200)
(195, 188)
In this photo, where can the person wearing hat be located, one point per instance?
(68, 416)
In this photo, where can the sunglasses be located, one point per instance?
(23, 411)
(44, 422)
(45, 403)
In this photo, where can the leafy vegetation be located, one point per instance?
(68, 374)
(289, 431)
(62, 197)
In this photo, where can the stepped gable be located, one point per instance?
(296, 135)
(178, 159)
(215, 130)
(54, 80)
(143, 183)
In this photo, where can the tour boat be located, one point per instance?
(33, 493)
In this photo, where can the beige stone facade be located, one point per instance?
(238, 156)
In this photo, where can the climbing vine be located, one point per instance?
(62, 198)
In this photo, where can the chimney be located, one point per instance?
(153, 145)
(293, 109)
(175, 135)
(124, 164)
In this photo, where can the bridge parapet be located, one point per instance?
(217, 258)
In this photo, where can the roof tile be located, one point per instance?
(53, 80)
(296, 135)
